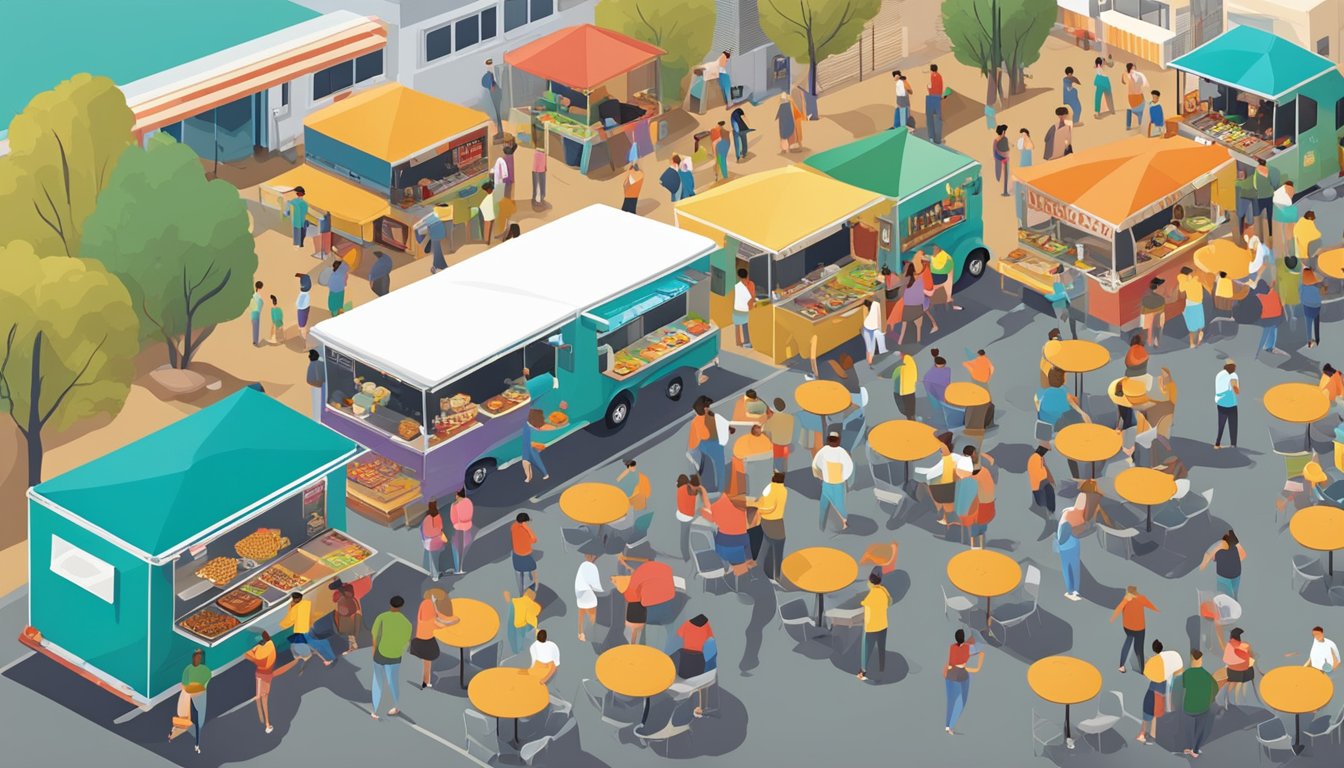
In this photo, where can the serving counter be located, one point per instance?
(815, 315)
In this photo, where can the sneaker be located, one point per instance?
(269, 729)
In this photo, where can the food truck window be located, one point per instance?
(758, 270)
(1124, 254)
(204, 572)
(1285, 122)
(83, 570)
(1306, 114)
(495, 388)
(539, 357)
(485, 382)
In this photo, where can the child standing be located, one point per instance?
(277, 321)
(1155, 117)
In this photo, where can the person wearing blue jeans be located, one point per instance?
(833, 466)
(385, 676)
(300, 618)
(1066, 544)
(391, 637)
(957, 676)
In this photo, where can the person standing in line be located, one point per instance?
(297, 212)
(784, 116)
(191, 702)
(744, 298)
(780, 428)
(317, 380)
(587, 583)
(1134, 82)
(902, 117)
(913, 304)
(686, 172)
(489, 210)
(833, 466)
(905, 377)
(957, 677)
(1059, 139)
(263, 656)
(539, 163)
(432, 539)
(1070, 560)
(1226, 389)
(1227, 556)
(347, 613)
(1102, 83)
(336, 287)
(303, 303)
(630, 187)
(933, 105)
(1324, 654)
(738, 120)
(691, 500)
(1040, 480)
(495, 96)
(1199, 691)
(523, 540)
(874, 340)
(299, 618)
(1131, 609)
(1071, 99)
(524, 612)
(875, 606)
(671, 178)
(545, 655)
(460, 517)
(1193, 290)
(391, 637)
(999, 147)
(430, 232)
(1309, 294)
(255, 307)
(1156, 117)
(1152, 312)
(769, 520)
(436, 610)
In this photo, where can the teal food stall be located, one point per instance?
(1264, 98)
(191, 537)
(933, 195)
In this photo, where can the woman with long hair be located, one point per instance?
(914, 303)
(432, 539)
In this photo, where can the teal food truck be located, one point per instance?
(191, 537)
(570, 322)
(1264, 98)
(934, 195)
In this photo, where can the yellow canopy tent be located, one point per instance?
(354, 209)
(394, 123)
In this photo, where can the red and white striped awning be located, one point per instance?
(243, 71)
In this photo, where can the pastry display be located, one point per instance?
(282, 578)
(209, 623)
(378, 478)
(255, 588)
(219, 571)
(408, 429)
(261, 544)
(697, 327)
(240, 602)
(456, 414)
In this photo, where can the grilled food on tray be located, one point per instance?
(239, 602)
(209, 623)
(219, 571)
(262, 544)
(283, 579)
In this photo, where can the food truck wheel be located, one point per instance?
(674, 388)
(478, 473)
(976, 263)
(618, 411)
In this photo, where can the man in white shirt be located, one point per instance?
(1324, 653)
(902, 117)
(545, 658)
(744, 296)
(1226, 387)
(489, 209)
(874, 340)
(833, 466)
(587, 583)
(500, 175)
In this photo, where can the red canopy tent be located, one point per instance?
(582, 57)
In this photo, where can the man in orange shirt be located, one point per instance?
(731, 541)
(650, 594)
(1040, 481)
(523, 538)
(981, 368)
(753, 445)
(1332, 383)
(1132, 606)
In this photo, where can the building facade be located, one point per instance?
(1154, 30)
(757, 66)
(1317, 25)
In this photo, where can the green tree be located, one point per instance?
(181, 244)
(684, 29)
(1026, 25)
(998, 36)
(70, 339)
(62, 149)
(812, 30)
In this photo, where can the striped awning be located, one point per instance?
(228, 76)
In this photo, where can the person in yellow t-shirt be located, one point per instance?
(524, 611)
(1305, 234)
(875, 606)
(905, 378)
(1193, 289)
(769, 521)
(1154, 699)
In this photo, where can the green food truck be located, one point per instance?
(572, 320)
(1264, 98)
(933, 193)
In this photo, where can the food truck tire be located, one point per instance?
(976, 262)
(674, 388)
(618, 411)
(478, 473)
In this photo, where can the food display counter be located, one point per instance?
(656, 346)
(824, 310)
(1234, 133)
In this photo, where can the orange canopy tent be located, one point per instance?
(1123, 183)
(583, 56)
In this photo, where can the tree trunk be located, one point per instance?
(191, 346)
(34, 439)
(811, 63)
(172, 351)
(32, 431)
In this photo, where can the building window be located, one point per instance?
(1306, 114)
(339, 77)
(1323, 46)
(468, 31)
(518, 13)
(84, 570)
(284, 94)
(1153, 12)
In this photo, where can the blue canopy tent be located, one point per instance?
(114, 545)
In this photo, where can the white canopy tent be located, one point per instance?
(436, 329)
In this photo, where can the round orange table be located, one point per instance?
(1224, 256)
(1088, 442)
(1319, 528)
(1142, 485)
(1296, 690)
(822, 398)
(1077, 356)
(1331, 263)
(477, 624)
(966, 394)
(638, 671)
(984, 573)
(819, 570)
(594, 503)
(904, 441)
(1064, 680)
(508, 692)
(1297, 402)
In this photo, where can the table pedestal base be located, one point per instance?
(1068, 733)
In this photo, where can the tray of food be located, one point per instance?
(209, 623)
(283, 578)
(219, 571)
(697, 327)
(255, 588)
(262, 544)
(625, 367)
(240, 602)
